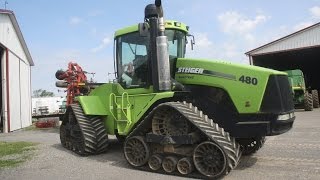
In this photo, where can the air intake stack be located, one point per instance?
(159, 55)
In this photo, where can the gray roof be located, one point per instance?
(305, 38)
(19, 33)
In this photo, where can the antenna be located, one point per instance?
(5, 4)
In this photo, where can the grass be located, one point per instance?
(14, 153)
(10, 163)
(30, 128)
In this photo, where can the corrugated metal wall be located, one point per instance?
(25, 94)
(19, 78)
(14, 92)
(20, 95)
(9, 38)
(307, 38)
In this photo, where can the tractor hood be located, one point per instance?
(245, 84)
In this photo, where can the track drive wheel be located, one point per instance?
(136, 151)
(167, 121)
(210, 160)
(315, 97)
(308, 102)
(252, 146)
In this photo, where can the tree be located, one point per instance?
(42, 93)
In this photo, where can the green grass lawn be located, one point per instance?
(14, 153)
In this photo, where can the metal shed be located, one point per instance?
(15, 70)
(299, 50)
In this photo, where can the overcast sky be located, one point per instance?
(57, 32)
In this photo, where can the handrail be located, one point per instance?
(128, 106)
(111, 107)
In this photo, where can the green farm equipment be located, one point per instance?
(302, 98)
(175, 115)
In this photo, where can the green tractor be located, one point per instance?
(177, 115)
(301, 97)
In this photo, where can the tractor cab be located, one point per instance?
(132, 53)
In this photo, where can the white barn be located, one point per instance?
(15, 70)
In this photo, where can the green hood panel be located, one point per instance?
(245, 84)
(97, 102)
(93, 105)
(296, 78)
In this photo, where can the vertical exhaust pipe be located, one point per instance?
(159, 55)
(162, 52)
(163, 64)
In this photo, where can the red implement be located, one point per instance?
(74, 79)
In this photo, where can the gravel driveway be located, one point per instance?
(294, 155)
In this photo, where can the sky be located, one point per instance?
(57, 32)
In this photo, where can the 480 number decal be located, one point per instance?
(248, 80)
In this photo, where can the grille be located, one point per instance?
(278, 95)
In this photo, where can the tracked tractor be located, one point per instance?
(176, 115)
(302, 96)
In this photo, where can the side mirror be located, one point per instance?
(193, 42)
(143, 29)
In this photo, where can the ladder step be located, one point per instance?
(121, 108)
(123, 120)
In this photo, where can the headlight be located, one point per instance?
(284, 117)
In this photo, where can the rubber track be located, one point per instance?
(206, 126)
(93, 130)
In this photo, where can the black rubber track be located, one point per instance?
(308, 102)
(315, 97)
(94, 138)
(206, 126)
